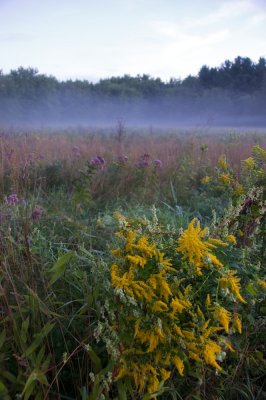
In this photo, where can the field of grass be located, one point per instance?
(133, 264)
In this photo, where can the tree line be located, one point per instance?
(234, 90)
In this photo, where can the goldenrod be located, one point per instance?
(223, 316)
(179, 365)
(210, 352)
(195, 249)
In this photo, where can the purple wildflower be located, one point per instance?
(122, 159)
(142, 164)
(158, 163)
(36, 214)
(12, 199)
(98, 161)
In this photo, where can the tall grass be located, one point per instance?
(65, 324)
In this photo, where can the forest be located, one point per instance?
(232, 94)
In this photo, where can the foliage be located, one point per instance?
(165, 301)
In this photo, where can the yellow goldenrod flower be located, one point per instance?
(225, 179)
(232, 283)
(179, 365)
(165, 289)
(116, 252)
(137, 260)
(157, 357)
(231, 239)
(237, 323)
(189, 335)
(194, 356)
(206, 179)
(144, 247)
(262, 283)
(210, 352)
(130, 238)
(249, 163)
(153, 342)
(239, 190)
(165, 263)
(228, 345)
(122, 372)
(164, 317)
(178, 331)
(214, 260)
(153, 282)
(159, 306)
(208, 300)
(200, 313)
(259, 152)
(153, 384)
(222, 163)
(177, 305)
(141, 290)
(208, 332)
(223, 316)
(165, 374)
(192, 346)
(167, 360)
(195, 249)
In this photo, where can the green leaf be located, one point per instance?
(95, 360)
(121, 390)
(43, 307)
(251, 289)
(39, 338)
(24, 330)
(35, 376)
(58, 269)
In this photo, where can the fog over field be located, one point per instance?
(157, 112)
(233, 94)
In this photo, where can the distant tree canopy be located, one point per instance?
(235, 89)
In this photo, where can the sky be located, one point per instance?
(94, 39)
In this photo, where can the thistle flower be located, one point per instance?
(36, 214)
(12, 199)
(122, 159)
(142, 164)
(98, 161)
(158, 163)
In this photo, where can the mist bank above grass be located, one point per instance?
(232, 95)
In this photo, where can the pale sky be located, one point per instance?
(93, 39)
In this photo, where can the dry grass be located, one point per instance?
(18, 150)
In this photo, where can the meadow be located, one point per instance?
(132, 264)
